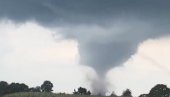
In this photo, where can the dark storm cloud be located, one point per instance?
(82, 11)
(108, 31)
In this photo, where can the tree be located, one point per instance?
(75, 92)
(160, 90)
(3, 87)
(144, 95)
(35, 89)
(47, 86)
(127, 93)
(82, 90)
(23, 87)
(17, 87)
(113, 94)
(88, 93)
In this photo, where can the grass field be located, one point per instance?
(36, 94)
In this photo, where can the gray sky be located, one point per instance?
(98, 26)
(100, 34)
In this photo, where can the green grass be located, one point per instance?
(37, 94)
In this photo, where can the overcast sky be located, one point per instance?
(72, 43)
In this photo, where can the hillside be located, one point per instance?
(36, 94)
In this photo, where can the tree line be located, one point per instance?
(159, 90)
(6, 88)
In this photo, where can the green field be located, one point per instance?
(36, 94)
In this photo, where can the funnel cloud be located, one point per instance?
(107, 31)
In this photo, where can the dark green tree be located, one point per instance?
(47, 86)
(144, 95)
(127, 93)
(3, 88)
(35, 89)
(160, 90)
(17, 87)
(82, 90)
(88, 93)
